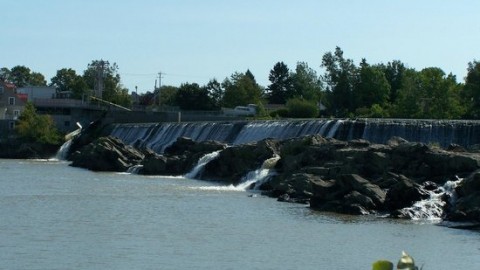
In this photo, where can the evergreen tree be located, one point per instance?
(281, 88)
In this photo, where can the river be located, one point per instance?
(53, 216)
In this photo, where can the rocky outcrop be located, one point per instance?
(106, 154)
(349, 193)
(402, 192)
(358, 177)
(466, 206)
(235, 162)
(179, 158)
(354, 177)
(111, 154)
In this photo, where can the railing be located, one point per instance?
(70, 103)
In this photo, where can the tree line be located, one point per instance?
(345, 89)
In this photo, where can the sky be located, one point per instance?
(197, 40)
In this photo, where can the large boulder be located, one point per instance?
(466, 207)
(293, 188)
(187, 146)
(403, 192)
(349, 194)
(178, 158)
(408, 158)
(448, 164)
(106, 154)
(235, 162)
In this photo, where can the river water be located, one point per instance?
(53, 216)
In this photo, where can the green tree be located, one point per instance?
(306, 83)
(340, 78)
(241, 89)
(66, 79)
(371, 88)
(33, 127)
(471, 90)
(113, 91)
(22, 76)
(407, 103)
(394, 74)
(37, 79)
(216, 92)
(167, 95)
(190, 96)
(4, 74)
(281, 88)
(429, 94)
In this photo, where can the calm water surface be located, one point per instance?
(53, 216)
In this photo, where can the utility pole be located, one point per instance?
(159, 87)
(100, 69)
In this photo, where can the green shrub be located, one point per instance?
(32, 127)
(301, 108)
(282, 113)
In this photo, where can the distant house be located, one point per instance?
(11, 105)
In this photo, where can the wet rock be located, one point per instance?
(467, 205)
(403, 193)
(106, 154)
(349, 194)
(179, 158)
(297, 186)
(235, 162)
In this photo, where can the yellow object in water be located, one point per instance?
(382, 265)
(406, 262)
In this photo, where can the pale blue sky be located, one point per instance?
(194, 41)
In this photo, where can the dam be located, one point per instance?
(157, 136)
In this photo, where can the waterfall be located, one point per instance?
(201, 164)
(259, 176)
(158, 136)
(63, 151)
(254, 178)
(333, 130)
(431, 209)
(135, 169)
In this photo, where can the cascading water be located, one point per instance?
(160, 135)
(252, 179)
(201, 164)
(255, 178)
(431, 209)
(135, 169)
(63, 151)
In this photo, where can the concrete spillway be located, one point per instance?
(157, 136)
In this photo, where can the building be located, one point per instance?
(37, 92)
(11, 106)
